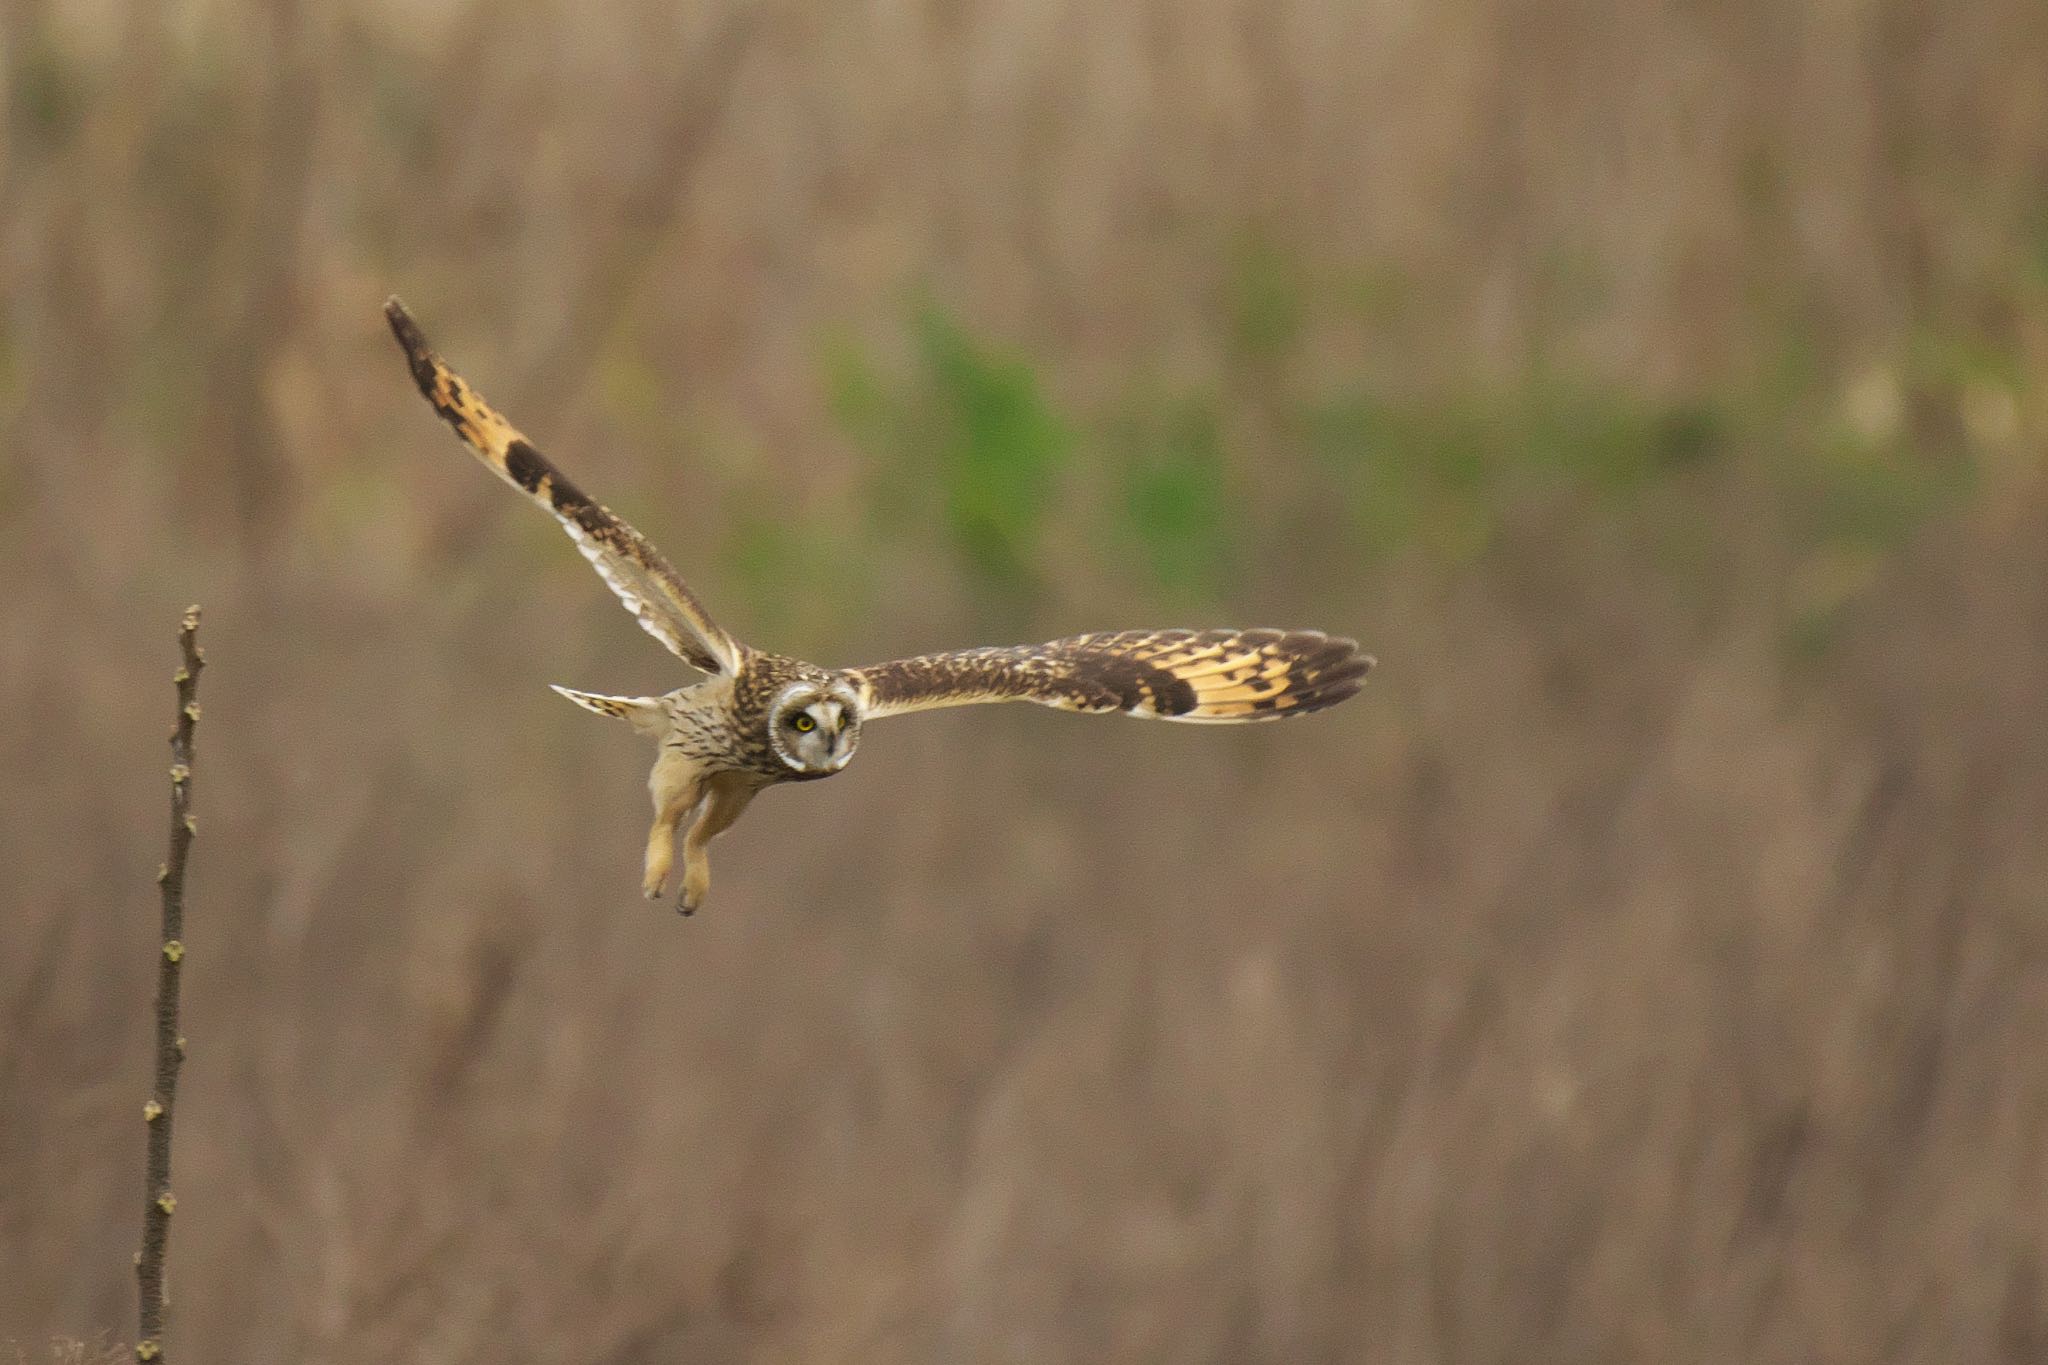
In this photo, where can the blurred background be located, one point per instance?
(1650, 965)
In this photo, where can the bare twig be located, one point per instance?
(170, 1044)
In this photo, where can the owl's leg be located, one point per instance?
(726, 797)
(676, 786)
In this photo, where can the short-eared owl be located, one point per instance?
(760, 718)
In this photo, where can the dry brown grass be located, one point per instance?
(1602, 985)
(72, 1351)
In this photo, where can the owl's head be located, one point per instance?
(814, 727)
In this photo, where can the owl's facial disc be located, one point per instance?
(814, 729)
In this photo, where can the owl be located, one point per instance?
(759, 719)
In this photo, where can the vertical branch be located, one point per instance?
(170, 1044)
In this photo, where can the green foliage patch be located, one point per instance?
(966, 437)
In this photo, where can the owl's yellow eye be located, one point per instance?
(803, 724)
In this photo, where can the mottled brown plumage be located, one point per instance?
(1185, 675)
(761, 719)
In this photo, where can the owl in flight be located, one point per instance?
(759, 718)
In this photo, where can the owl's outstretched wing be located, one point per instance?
(635, 570)
(1207, 675)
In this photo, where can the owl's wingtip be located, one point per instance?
(1354, 661)
(402, 326)
(419, 357)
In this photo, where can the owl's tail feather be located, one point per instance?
(648, 715)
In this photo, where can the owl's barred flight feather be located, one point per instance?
(765, 718)
(1202, 676)
(649, 586)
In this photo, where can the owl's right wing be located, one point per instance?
(1186, 675)
(651, 589)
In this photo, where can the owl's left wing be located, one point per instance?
(1209, 675)
(649, 586)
